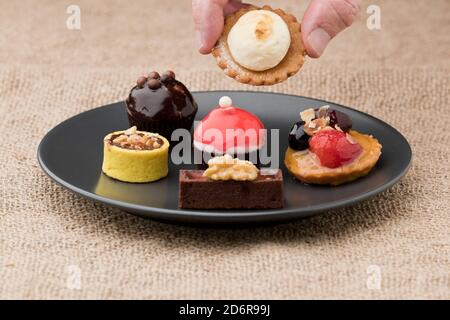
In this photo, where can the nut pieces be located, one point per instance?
(131, 139)
(227, 168)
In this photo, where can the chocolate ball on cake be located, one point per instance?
(161, 103)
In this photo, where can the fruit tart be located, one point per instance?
(323, 148)
(260, 46)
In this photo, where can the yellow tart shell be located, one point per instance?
(137, 166)
(306, 167)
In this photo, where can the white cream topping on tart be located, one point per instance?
(259, 40)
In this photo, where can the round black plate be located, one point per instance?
(71, 154)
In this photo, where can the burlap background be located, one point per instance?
(48, 73)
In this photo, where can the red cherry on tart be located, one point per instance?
(334, 148)
(231, 130)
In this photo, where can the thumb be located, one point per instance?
(208, 20)
(323, 20)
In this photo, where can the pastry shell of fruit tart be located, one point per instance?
(135, 156)
(289, 61)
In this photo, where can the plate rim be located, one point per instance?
(204, 216)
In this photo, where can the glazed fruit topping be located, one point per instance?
(298, 138)
(315, 121)
(334, 148)
(337, 119)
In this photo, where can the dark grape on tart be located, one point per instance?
(323, 148)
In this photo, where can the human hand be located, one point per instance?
(322, 21)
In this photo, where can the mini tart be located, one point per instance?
(288, 67)
(132, 165)
(306, 167)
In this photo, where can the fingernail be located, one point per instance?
(200, 42)
(318, 39)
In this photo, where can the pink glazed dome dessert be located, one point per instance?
(230, 130)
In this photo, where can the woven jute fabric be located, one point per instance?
(54, 244)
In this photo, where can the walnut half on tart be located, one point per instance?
(323, 149)
(135, 156)
(260, 46)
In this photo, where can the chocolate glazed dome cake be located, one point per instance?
(161, 104)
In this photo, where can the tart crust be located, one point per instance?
(306, 167)
(135, 166)
(288, 67)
